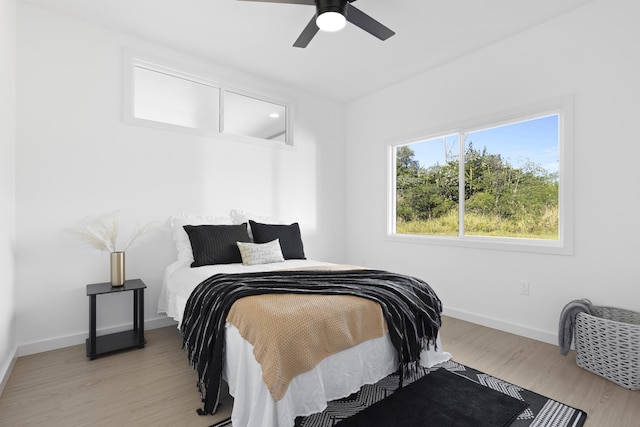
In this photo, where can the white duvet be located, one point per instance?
(335, 377)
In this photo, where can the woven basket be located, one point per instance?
(609, 346)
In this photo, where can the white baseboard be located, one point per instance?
(75, 339)
(501, 325)
(5, 371)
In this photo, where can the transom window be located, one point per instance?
(167, 98)
(501, 183)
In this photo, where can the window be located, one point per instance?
(175, 98)
(247, 115)
(498, 184)
(167, 98)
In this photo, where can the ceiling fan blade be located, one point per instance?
(307, 34)
(309, 2)
(367, 23)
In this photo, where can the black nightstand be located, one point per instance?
(120, 340)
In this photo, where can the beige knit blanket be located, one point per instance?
(292, 333)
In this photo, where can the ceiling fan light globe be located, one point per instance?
(331, 21)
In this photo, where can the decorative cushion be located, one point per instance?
(180, 237)
(289, 236)
(260, 253)
(216, 244)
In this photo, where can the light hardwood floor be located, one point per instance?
(155, 386)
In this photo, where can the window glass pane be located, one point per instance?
(511, 180)
(427, 187)
(175, 100)
(248, 116)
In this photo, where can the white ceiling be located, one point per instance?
(258, 37)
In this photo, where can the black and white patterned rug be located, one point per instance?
(542, 411)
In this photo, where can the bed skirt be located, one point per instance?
(335, 377)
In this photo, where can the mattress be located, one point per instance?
(334, 377)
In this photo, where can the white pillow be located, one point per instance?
(239, 216)
(180, 237)
(260, 253)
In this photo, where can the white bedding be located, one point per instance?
(335, 377)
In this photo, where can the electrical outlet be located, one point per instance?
(524, 287)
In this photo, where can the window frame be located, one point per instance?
(563, 107)
(132, 60)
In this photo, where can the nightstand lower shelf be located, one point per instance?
(115, 342)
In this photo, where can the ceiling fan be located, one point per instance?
(332, 15)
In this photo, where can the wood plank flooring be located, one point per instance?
(155, 386)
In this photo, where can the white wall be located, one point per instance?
(591, 53)
(7, 185)
(76, 157)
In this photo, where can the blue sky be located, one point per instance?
(535, 140)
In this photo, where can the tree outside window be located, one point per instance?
(493, 181)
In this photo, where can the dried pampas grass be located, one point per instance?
(101, 232)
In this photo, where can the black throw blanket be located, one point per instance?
(409, 305)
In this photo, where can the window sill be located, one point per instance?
(555, 247)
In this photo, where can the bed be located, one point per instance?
(334, 377)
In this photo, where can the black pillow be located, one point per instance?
(289, 235)
(216, 244)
